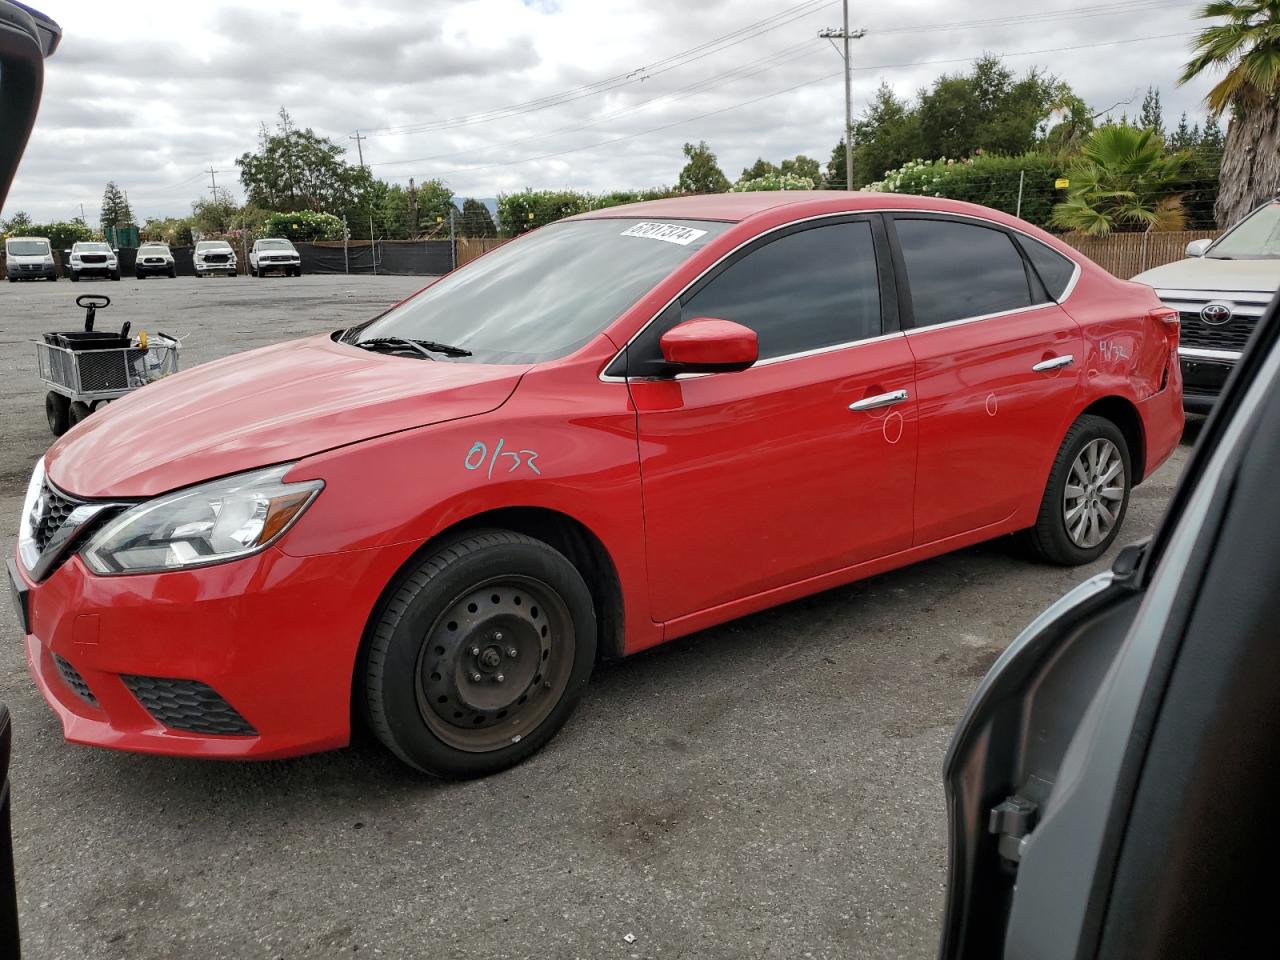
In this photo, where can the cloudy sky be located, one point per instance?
(496, 95)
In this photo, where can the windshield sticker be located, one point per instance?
(478, 456)
(667, 232)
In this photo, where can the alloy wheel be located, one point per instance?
(1094, 494)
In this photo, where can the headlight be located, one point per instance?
(28, 549)
(212, 523)
(111, 263)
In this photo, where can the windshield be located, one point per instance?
(547, 293)
(92, 248)
(274, 245)
(1256, 237)
(27, 248)
(153, 248)
(206, 245)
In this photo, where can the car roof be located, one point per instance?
(737, 207)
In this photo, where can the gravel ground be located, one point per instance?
(769, 788)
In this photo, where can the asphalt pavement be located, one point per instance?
(768, 788)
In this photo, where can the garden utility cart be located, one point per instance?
(84, 369)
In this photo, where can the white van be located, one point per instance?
(29, 258)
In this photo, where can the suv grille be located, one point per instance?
(216, 257)
(188, 705)
(93, 258)
(71, 677)
(53, 508)
(1232, 335)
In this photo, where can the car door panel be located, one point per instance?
(757, 479)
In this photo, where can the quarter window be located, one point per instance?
(959, 270)
(1055, 270)
(804, 291)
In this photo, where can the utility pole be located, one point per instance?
(359, 139)
(845, 34)
(213, 182)
(413, 211)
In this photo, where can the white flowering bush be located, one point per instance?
(773, 181)
(921, 177)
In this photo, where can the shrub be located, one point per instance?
(303, 225)
(524, 211)
(772, 181)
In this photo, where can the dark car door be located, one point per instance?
(1112, 786)
(802, 464)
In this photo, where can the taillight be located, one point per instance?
(1170, 322)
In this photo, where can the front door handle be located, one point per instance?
(1054, 363)
(880, 400)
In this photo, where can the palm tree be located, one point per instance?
(1122, 180)
(1246, 45)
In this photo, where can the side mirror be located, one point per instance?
(1197, 248)
(706, 345)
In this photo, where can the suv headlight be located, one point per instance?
(211, 523)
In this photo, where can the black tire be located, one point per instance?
(502, 608)
(1050, 539)
(116, 275)
(79, 410)
(54, 278)
(13, 279)
(75, 277)
(56, 411)
(173, 273)
(140, 276)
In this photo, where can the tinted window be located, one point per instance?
(1055, 270)
(811, 289)
(958, 270)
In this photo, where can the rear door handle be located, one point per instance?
(880, 400)
(1054, 363)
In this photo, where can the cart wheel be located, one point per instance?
(55, 411)
(79, 410)
(98, 405)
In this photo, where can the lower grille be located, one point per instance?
(51, 512)
(71, 677)
(216, 258)
(1232, 335)
(188, 705)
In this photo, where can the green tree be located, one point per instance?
(761, 168)
(1185, 135)
(216, 214)
(17, 225)
(835, 176)
(1123, 181)
(1152, 117)
(476, 221)
(1245, 47)
(114, 211)
(172, 230)
(297, 169)
(61, 234)
(885, 136)
(802, 166)
(435, 205)
(702, 173)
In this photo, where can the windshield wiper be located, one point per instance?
(424, 347)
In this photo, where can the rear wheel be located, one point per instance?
(79, 410)
(480, 655)
(1087, 495)
(57, 412)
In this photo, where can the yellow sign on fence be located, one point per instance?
(1062, 183)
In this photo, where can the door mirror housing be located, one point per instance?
(708, 345)
(1197, 248)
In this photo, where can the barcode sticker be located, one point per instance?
(668, 232)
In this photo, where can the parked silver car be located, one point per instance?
(154, 259)
(1220, 291)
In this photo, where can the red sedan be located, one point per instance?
(616, 430)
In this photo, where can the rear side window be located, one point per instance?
(804, 291)
(1055, 270)
(960, 270)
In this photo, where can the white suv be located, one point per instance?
(92, 258)
(1220, 291)
(274, 254)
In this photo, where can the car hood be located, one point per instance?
(267, 406)
(1207, 274)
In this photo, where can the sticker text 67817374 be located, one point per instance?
(479, 456)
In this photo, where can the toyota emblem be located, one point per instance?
(1215, 314)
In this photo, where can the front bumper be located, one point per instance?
(265, 265)
(215, 267)
(140, 267)
(248, 659)
(93, 270)
(1204, 373)
(33, 271)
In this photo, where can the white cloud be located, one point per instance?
(151, 95)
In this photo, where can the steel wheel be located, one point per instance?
(1094, 493)
(495, 663)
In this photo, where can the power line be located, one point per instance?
(777, 93)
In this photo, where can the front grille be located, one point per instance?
(30, 267)
(71, 677)
(153, 260)
(93, 258)
(188, 705)
(216, 258)
(52, 510)
(1232, 335)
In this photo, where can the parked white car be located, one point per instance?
(29, 258)
(92, 258)
(154, 259)
(214, 256)
(1220, 291)
(274, 254)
